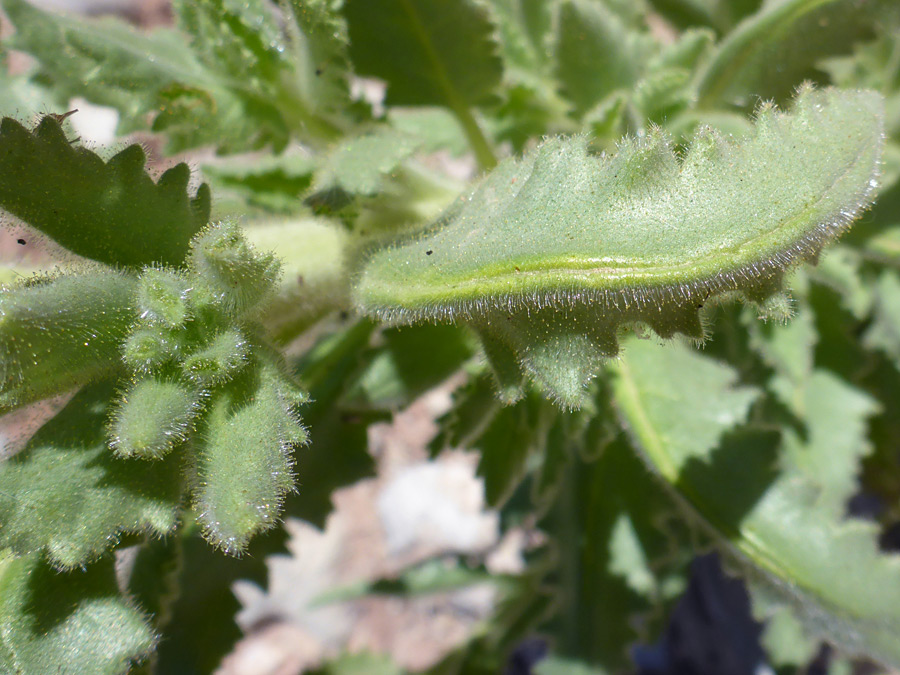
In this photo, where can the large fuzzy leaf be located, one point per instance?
(67, 495)
(551, 255)
(112, 211)
(74, 622)
(783, 528)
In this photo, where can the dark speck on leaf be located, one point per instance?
(21, 242)
(429, 252)
(318, 72)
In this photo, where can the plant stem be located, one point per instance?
(484, 154)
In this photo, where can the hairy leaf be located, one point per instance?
(230, 273)
(244, 465)
(152, 418)
(66, 493)
(111, 211)
(73, 622)
(783, 528)
(58, 333)
(551, 255)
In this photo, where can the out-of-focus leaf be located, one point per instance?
(873, 65)
(431, 576)
(68, 495)
(782, 526)
(783, 638)
(513, 435)
(314, 283)
(318, 49)
(430, 52)
(200, 626)
(358, 165)
(884, 333)
(246, 79)
(67, 623)
(273, 183)
(109, 211)
(410, 361)
(787, 347)
(104, 61)
(770, 52)
(554, 665)
(718, 14)
(337, 454)
(609, 518)
(596, 53)
(434, 128)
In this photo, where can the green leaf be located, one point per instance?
(318, 50)
(276, 184)
(244, 467)
(153, 417)
(609, 524)
(434, 52)
(67, 494)
(514, 434)
(358, 165)
(430, 52)
(596, 53)
(218, 361)
(162, 298)
(411, 361)
(73, 622)
(59, 333)
(110, 211)
(776, 48)
(233, 275)
(104, 61)
(784, 529)
(314, 255)
(884, 333)
(520, 258)
(200, 629)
